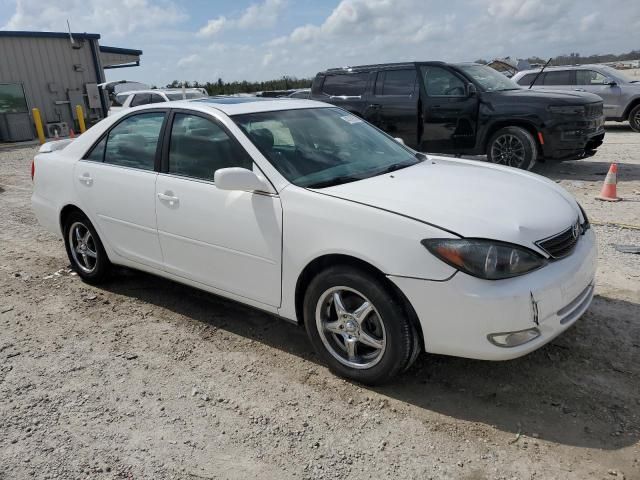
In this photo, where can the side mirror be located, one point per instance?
(471, 90)
(399, 140)
(236, 178)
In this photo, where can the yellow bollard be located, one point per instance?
(80, 115)
(38, 121)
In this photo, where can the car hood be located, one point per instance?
(557, 97)
(470, 199)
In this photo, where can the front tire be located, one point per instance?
(357, 326)
(513, 147)
(634, 118)
(85, 250)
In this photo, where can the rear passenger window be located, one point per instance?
(563, 77)
(398, 82)
(199, 147)
(350, 85)
(141, 99)
(155, 98)
(134, 141)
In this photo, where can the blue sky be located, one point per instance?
(263, 39)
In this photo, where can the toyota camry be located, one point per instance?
(308, 212)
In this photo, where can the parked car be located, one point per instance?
(466, 109)
(301, 93)
(620, 92)
(145, 97)
(118, 91)
(307, 212)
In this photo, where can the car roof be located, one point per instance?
(378, 66)
(241, 105)
(560, 68)
(160, 90)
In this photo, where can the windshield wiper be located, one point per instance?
(540, 73)
(395, 166)
(334, 181)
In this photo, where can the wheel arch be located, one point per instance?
(66, 211)
(632, 104)
(525, 124)
(323, 262)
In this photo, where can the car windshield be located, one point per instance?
(621, 74)
(489, 79)
(321, 147)
(181, 96)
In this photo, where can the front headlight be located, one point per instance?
(488, 259)
(566, 109)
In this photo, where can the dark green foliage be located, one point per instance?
(226, 88)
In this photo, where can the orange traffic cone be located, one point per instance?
(608, 192)
(72, 134)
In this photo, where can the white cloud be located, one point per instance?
(116, 17)
(189, 60)
(213, 27)
(261, 15)
(257, 15)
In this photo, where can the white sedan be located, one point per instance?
(305, 211)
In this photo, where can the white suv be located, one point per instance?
(145, 97)
(619, 91)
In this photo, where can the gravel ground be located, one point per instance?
(145, 378)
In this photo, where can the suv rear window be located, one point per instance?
(397, 82)
(350, 85)
(562, 77)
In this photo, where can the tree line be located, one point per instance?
(227, 88)
(578, 59)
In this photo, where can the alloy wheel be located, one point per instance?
(83, 247)
(508, 150)
(636, 118)
(350, 327)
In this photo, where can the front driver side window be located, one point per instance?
(590, 77)
(198, 147)
(133, 142)
(440, 82)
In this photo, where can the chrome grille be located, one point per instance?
(563, 243)
(594, 110)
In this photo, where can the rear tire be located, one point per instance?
(369, 344)
(634, 118)
(513, 147)
(85, 250)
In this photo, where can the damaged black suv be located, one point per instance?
(467, 109)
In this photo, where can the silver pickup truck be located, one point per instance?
(619, 90)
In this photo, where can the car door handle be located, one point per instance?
(86, 179)
(375, 106)
(169, 198)
(579, 90)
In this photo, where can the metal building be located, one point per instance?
(54, 72)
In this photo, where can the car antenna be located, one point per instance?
(540, 72)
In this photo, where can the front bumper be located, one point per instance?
(572, 140)
(458, 315)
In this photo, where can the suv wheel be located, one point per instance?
(513, 147)
(357, 326)
(634, 118)
(84, 248)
